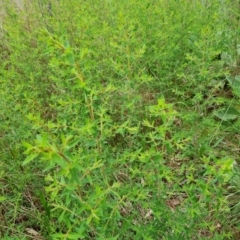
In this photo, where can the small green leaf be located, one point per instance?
(75, 236)
(44, 203)
(30, 158)
(62, 216)
(59, 160)
(227, 114)
(230, 79)
(27, 145)
(237, 78)
(72, 144)
(63, 138)
(97, 165)
(236, 86)
(2, 198)
(217, 142)
(71, 58)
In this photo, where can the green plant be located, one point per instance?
(114, 103)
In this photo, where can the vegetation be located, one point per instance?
(120, 119)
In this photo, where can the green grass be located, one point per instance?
(120, 120)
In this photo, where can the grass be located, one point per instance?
(119, 120)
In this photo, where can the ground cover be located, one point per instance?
(119, 119)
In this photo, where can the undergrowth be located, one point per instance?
(119, 120)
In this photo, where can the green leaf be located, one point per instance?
(227, 114)
(97, 165)
(236, 86)
(62, 216)
(27, 145)
(30, 158)
(2, 198)
(59, 160)
(237, 78)
(72, 144)
(230, 79)
(68, 236)
(71, 58)
(217, 142)
(75, 236)
(44, 203)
